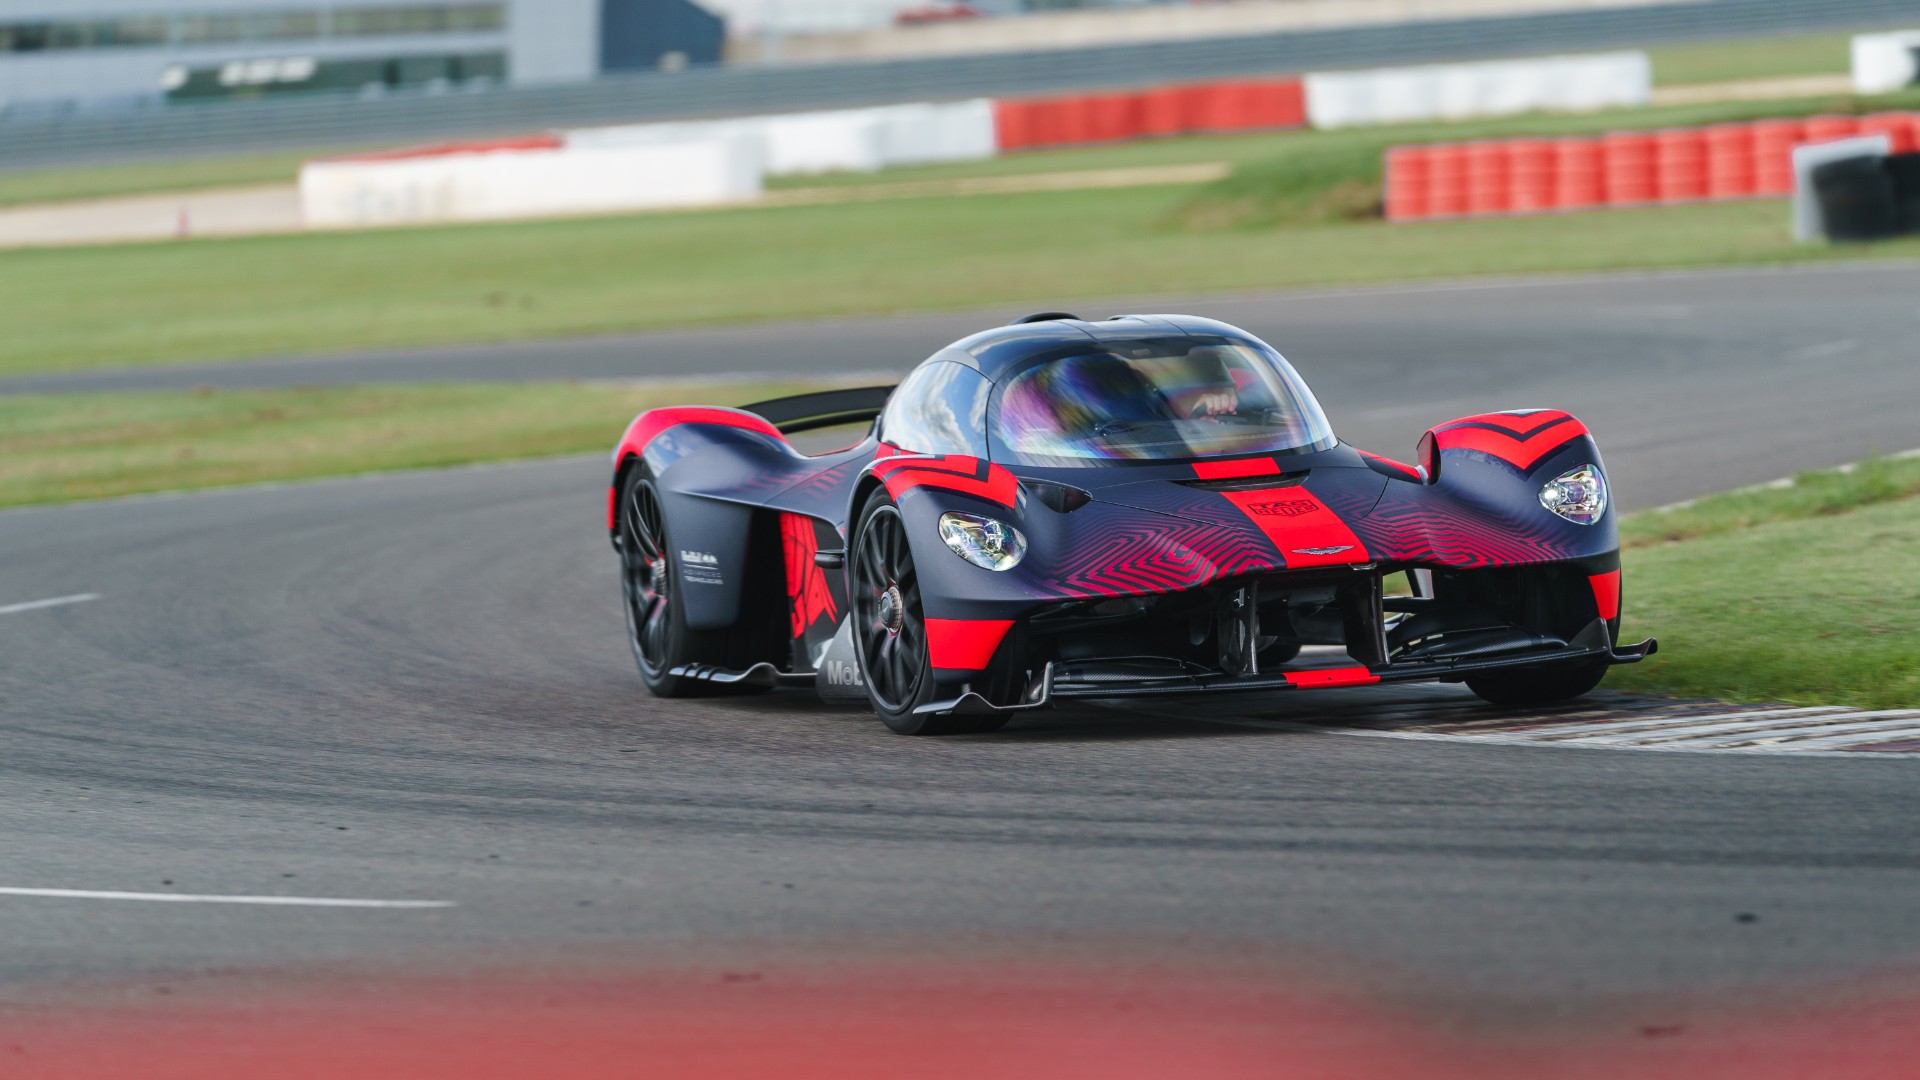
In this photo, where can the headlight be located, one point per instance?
(983, 541)
(1579, 495)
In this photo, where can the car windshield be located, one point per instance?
(1155, 399)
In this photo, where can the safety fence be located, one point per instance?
(1624, 168)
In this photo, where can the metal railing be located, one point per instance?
(200, 130)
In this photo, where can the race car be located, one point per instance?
(1147, 504)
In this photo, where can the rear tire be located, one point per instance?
(657, 629)
(890, 627)
(1537, 686)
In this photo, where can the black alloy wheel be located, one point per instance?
(647, 572)
(888, 626)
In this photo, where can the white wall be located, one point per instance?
(1576, 83)
(358, 193)
(1885, 62)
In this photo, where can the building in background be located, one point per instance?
(61, 54)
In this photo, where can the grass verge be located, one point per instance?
(1750, 58)
(148, 177)
(61, 448)
(1811, 610)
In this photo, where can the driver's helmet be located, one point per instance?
(1077, 395)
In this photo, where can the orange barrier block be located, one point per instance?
(1406, 183)
(1446, 180)
(1016, 124)
(1773, 143)
(1901, 129)
(1489, 189)
(1209, 109)
(1276, 103)
(1579, 179)
(1627, 168)
(1680, 165)
(1729, 149)
(1164, 112)
(1531, 174)
(1112, 117)
(1247, 105)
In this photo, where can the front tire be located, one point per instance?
(890, 627)
(1537, 686)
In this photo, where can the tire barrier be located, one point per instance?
(1883, 63)
(1465, 91)
(1205, 108)
(1623, 168)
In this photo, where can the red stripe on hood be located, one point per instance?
(1298, 523)
(1234, 470)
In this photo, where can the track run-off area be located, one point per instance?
(408, 699)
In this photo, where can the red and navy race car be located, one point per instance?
(1146, 504)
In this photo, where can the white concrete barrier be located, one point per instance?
(1886, 62)
(846, 140)
(1581, 83)
(840, 140)
(456, 186)
(927, 134)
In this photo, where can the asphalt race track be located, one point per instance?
(416, 688)
(1745, 375)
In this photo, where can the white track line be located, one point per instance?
(1747, 728)
(189, 898)
(58, 601)
(1555, 727)
(1504, 739)
(1786, 738)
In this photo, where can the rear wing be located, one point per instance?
(827, 408)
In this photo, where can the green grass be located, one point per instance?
(1813, 610)
(1814, 494)
(60, 448)
(1808, 593)
(148, 177)
(1750, 58)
